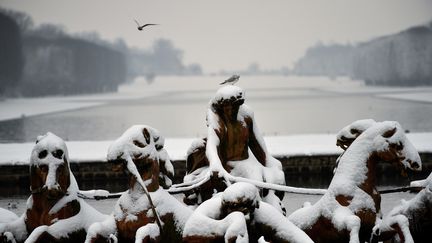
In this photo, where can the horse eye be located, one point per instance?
(58, 153)
(43, 154)
(399, 146)
(138, 144)
(354, 131)
(43, 168)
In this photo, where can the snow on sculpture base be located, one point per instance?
(238, 214)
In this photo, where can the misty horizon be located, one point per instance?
(232, 35)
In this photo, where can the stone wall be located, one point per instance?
(304, 171)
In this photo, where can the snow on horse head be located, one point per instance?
(410, 221)
(50, 176)
(54, 211)
(351, 205)
(135, 152)
(146, 211)
(348, 134)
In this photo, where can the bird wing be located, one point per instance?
(148, 25)
(137, 22)
(227, 80)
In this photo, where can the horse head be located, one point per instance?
(392, 145)
(348, 134)
(135, 152)
(49, 167)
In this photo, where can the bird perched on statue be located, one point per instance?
(141, 27)
(232, 80)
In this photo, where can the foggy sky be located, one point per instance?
(231, 34)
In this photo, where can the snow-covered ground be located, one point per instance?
(295, 145)
(412, 96)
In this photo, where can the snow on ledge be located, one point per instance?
(278, 146)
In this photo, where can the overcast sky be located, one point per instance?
(231, 34)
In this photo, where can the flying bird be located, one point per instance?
(232, 80)
(141, 27)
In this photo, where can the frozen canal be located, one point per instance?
(177, 106)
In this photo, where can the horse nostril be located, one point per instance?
(120, 155)
(137, 156)
(415, 165)
(43, 154)
(377, 232)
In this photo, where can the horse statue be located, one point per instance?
(409, 222)
(351, 206)
(54, 211)
(239, 215)
(145, 212)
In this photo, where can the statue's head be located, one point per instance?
(228, 96)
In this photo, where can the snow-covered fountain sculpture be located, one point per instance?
(234, 150)
(411, 221)
(145, 212)
(54, 211)
(239, 215)
(350, 207)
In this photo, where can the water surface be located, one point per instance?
(177, 107)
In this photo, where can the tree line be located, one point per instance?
(402, 59)
(45, 60)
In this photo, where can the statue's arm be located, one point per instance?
(256, 141)
(213, 142)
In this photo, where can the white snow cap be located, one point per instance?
(135, 140)
(241, 191)
(51, 150)
(50, 143)
(229, 92)
(354, 129)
